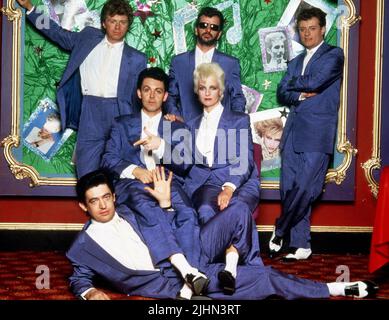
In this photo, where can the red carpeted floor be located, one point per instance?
(19, 273)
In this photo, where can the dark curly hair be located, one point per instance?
(310, 13)
(113, 7)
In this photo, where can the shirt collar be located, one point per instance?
(115, 219)
(146, 118)
(216, 112)
(209, 53)
(113, 45)
(313, 50)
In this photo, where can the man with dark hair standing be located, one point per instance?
(311, 88)
(182, 101)
(99, 82)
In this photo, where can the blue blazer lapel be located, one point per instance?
(323, 48)
(125, 71)
(223, 126)
(198, 158)
(299, 64)
(134, 127)
(80, 56)
(191, 64)
(92, 248)
(216, 56)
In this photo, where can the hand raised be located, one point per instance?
(161, 191)
(151, 142)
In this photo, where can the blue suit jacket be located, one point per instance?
(313, 121)
(89, 259)
(120, 151)
(182, 99)
(80, 44)
(233, 158)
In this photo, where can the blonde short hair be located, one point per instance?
(270, 126)
(206, 70)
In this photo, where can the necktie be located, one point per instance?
(208, 145)
(306, 60)
(107, 51)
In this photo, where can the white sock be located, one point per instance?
(232, 259)
(337, 288)
(179, 261)
(186, 292)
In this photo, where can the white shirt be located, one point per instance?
(100, 70)
(119, 239)
(206, 136)
(203, 57)
(309, 54)
(151, 123)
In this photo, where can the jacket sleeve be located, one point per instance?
(51, 30)
(284, 95)
(112, 159)
(81, 279)
(173, 101)
(242, 160)
(238, 100)
(331, 71)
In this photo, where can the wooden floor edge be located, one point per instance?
(78, 226)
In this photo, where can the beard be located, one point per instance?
(210, 43)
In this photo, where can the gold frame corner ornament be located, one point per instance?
(11, 12)
(20, 170)
(374, 163)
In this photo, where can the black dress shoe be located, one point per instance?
(227, 282)
(198, 283)
(361, 289)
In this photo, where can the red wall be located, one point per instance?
(358, 213)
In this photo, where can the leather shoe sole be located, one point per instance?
(197, 284)
(227, 282)
(353, 290)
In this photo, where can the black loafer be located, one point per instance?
(198, 284)
(354, 289)
(227, 282)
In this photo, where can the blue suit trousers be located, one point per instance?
(302, 180)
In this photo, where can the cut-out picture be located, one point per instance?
(42, 134)
(267, 127)
(275, 48)
(253, 99)
(72, 15)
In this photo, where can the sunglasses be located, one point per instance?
(204, 25)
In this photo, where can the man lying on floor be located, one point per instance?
(111, 246)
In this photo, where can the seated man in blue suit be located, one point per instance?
(182, 101)
(99, 82)
(136, 144)
(311, 88)
(111, 247)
